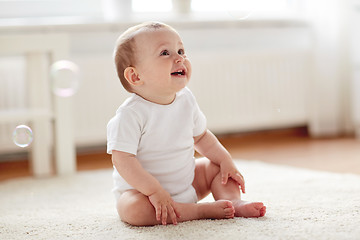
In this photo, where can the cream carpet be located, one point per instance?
(301, 204)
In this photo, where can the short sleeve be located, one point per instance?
(199, 121)
(124, 132)
(198, 116)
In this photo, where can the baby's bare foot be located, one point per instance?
(249, 209)
(217, 210)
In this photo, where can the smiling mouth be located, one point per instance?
(178, 73)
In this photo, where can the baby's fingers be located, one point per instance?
(158, 212)
(173, 215)
(224, 178)
(177, 213)
(163, 215)
(240, 180)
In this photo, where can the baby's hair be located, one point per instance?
(124, 52)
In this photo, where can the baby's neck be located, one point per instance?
(162, 100)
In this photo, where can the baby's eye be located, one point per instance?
(181, 51)
(164, 53)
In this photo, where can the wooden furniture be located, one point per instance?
(50, 115)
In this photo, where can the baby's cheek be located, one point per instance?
(188, 67)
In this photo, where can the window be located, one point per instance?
(49, 8)
(152, 6)
(236, 7)
(239, 5)
(114, 9)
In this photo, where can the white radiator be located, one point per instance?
(252, 91)
(237, 91)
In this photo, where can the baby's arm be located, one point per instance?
(210, 147)
(131, 170)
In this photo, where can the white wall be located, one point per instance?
(92, 51)
(324, 105)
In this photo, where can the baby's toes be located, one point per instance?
(262, 211)
(229, 212)
(258, 205)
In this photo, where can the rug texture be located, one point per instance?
(301, 204)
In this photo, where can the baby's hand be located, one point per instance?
(164, 206)
(229, 170)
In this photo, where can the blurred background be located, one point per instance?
(278, 80)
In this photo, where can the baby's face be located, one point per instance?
(161, 61)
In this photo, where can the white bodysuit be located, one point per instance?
(161, 138)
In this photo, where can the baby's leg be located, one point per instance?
(231, 192)
(135, 208)
(208, 178)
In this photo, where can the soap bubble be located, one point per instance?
(64, 78)
(22, 136)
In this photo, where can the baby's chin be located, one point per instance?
(182, 82)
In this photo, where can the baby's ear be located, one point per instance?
(132, 76)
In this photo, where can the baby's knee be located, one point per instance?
(206, 165)
(135, 210)
(130, 214)
(211, 168)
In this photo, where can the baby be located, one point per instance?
(154, 133)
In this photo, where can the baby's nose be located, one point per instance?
(179, 58)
